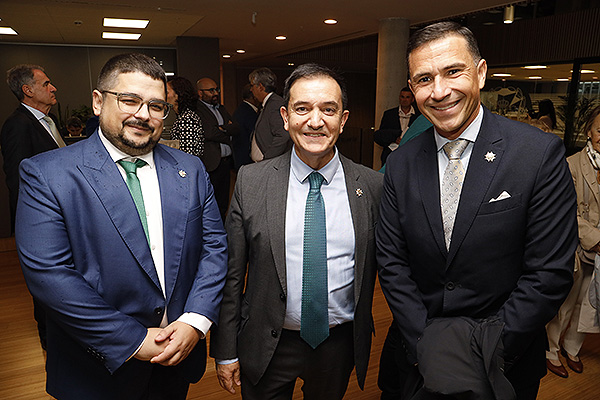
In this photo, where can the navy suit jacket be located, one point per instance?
(511, 258)
(86, 258)
(271, 137)
(246, 117)
(22, 136)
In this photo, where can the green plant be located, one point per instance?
(574, 121)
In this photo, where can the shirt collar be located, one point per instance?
(301, 170)
(409, 113)
(36, 113)
(469, 134)
(251, 105)
(213, 106)
(117, 155)
(266, 99)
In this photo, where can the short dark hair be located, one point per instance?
(20, 75)
(246, 92)
(406, 89)
(441, 30)
(265, 77)
(126, 63)
(74, 121)
(312, 71)
(187, 95)
(591, 116)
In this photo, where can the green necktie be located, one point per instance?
(314, 324)
(133, 183)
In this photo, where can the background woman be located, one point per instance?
(187, 126)
(576, 316)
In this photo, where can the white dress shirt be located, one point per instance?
(40, 117)
(340, 241)
(152, 203)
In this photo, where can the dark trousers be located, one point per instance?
(393, 368)
(165, 384)
(220, 179)
(324, 370)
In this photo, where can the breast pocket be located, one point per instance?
(501, 205)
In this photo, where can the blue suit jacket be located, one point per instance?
(85, 256)
(511, 258)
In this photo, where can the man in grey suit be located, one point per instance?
(270, 138)
(263, 330)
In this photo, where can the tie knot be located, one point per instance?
(131, 167)
(455, 149)
(316, 180)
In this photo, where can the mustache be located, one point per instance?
(138, 124)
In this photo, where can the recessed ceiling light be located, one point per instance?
(534, 77)
(330, 21)
(121, 36)
(534, 67)
(280, 37)
(170, 73)
(587, 71)
(226, 55)
(563, 80)
(240, 51)
(501, 75)
(291, 64)
(126, 23)
(5, 30)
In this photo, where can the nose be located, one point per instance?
(143, 113)
(440, 89)
(315, 120)
(53, 88)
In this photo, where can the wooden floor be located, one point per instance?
(22, 366)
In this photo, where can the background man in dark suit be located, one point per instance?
(395, 122)
(128, 262)
(245, 116)
(25, 133)
(506, 255)
(270, 138)
(264, 324)
(218, 130)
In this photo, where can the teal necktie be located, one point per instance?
(133, 183)
(314, 324)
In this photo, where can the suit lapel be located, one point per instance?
(429, 187)
(277, 188)
(106, 181)
(45, 136)
(480, 174)
(359, 210)
(589, 175)
(174, 194)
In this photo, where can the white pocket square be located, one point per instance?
(503, 196)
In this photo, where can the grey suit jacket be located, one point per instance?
(252, 318)
(271, 137)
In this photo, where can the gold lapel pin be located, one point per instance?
(359, 192)
(182, 173)
(490, 157)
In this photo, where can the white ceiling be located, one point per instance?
(54, 21)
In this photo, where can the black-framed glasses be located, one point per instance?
(132, 103)
(212, 90)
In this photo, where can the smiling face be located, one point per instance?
(446, 82)
(315, 117)
(134, 134)
(594, 133)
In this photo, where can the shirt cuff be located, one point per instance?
(226, 362)
(200, 322)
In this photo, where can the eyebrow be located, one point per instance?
(326, 103)
(446, 68)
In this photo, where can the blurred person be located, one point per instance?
(245, 115)
(576, 316)
(74, 127)
(187, 127)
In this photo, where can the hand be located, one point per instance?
(229, 374)
(150, 348)
(180, 339)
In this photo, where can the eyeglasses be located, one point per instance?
(211, 90)
(131, 103)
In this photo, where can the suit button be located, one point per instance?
(158, 311)
(274, 333)
(282, 297)
(450, 286)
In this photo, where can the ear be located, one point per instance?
(345, 116)
(284, 115)
(97, 101)
(27, 91)
(411, 88)
(481, 72)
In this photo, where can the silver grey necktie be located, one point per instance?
(452, 185)
(57, 138)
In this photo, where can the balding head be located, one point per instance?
(208, 91)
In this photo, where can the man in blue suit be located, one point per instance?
(494, 245)
(129, 263)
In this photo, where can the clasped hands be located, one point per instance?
(170, 345)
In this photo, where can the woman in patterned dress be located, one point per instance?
(187, 126)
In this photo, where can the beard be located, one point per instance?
(120, 140)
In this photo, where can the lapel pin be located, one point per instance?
(359, 192)
(182, 173)
(490, 157)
